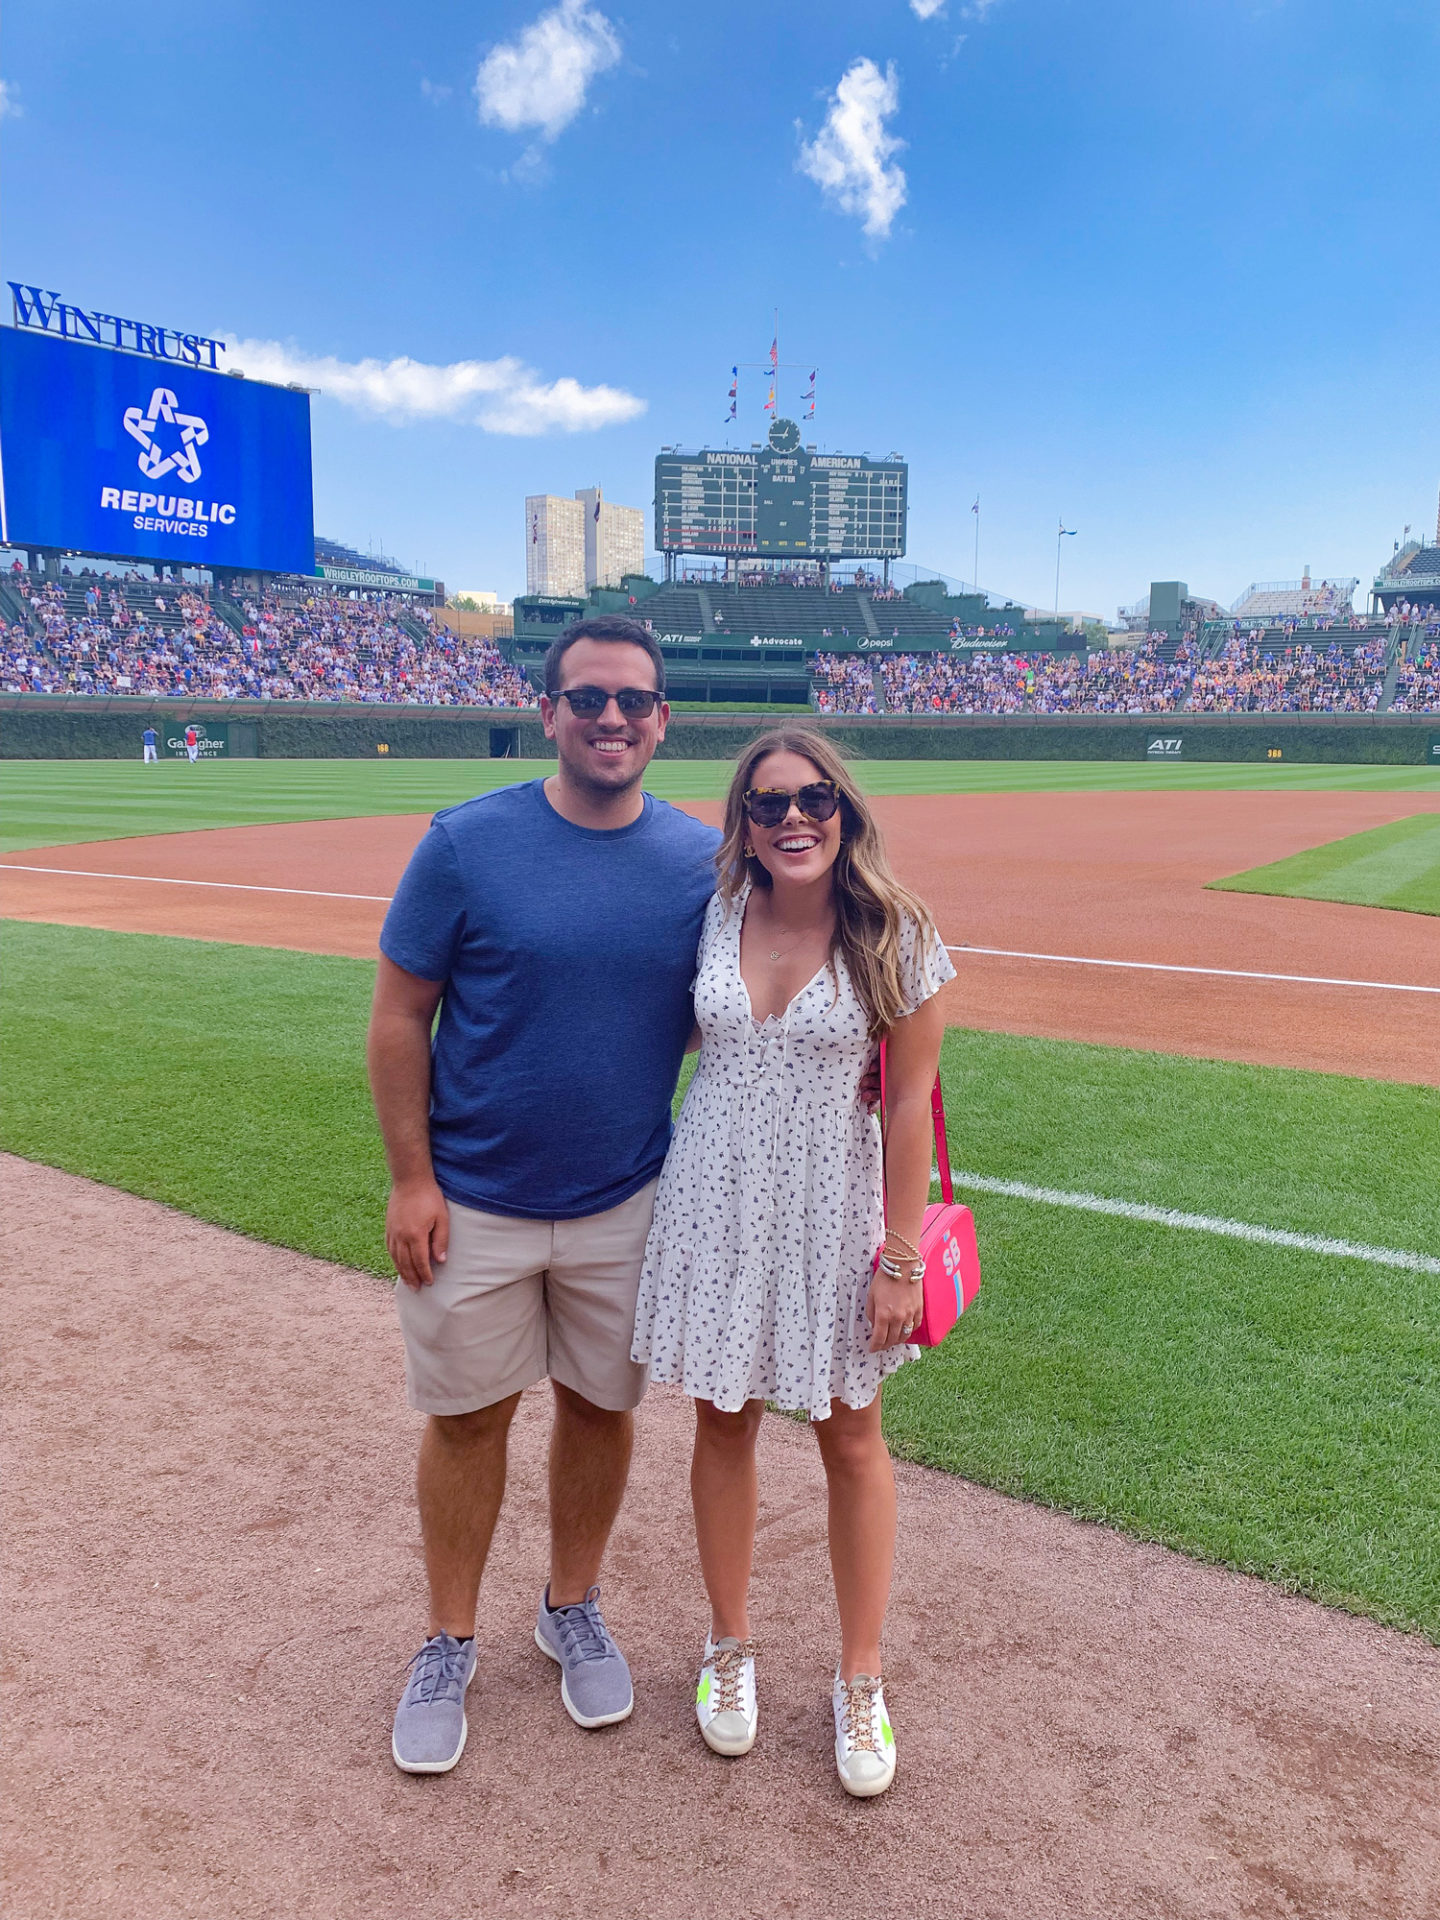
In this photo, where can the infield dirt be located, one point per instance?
(1100, 875)
(215, 1586)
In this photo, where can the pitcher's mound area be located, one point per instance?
(214, 1560)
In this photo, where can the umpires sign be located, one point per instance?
(1164, 746)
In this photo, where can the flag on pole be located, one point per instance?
(770, 402)
(976, 507)
(775, 351)
(809, 395)
(1068, 533)
(734, 390)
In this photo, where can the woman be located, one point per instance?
(760, 1279)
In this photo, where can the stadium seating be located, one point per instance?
(1129, 680)
(1267, 604)
(285, 647)
(1248, 676)
(1417, 684)
(843, 683)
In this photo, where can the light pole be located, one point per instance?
(1065, 533)
(975, 577)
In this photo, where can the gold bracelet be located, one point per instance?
(904, 1244)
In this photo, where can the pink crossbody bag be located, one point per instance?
(947, 1239)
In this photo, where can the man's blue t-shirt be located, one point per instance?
(567, 955)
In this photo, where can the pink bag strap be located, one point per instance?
(942, 1142)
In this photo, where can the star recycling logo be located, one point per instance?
(193, 434)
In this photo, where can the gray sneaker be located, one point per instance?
(430, 1724)
(594, 1679)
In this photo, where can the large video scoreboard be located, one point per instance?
(780, 502)
(106, 451)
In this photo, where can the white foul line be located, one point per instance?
(164, 880)
(1219, 973)
(1198, 1222)
(1003, 953)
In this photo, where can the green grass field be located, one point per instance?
(52, 802)
(1392, 866)
(1268, 1408)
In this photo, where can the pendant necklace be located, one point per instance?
(777, 953)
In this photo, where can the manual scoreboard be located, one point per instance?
(780, 501)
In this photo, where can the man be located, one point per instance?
(151, 746)
(554, 925)
(192, 744)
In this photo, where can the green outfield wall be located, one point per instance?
(62, 726)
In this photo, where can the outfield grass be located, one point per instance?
(1266, 1408)
(51, 802)
(1392, 866)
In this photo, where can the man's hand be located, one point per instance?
(417, 1230)
(870, 1086)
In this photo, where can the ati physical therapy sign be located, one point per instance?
(109, 453)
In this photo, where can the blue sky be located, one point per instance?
(1168, 271)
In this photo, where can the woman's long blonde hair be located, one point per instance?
(871, 906)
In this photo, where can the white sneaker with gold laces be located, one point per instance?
(864, 1742)
(725, 1702)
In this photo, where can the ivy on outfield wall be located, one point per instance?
(59, 727)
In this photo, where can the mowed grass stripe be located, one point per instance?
(53, 802)
(1196, 1222)
(1397, 865)
(1251, 1403)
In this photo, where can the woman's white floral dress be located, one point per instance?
(768, 1211)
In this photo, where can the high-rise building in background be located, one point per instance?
(573, 545)
(554, 546)
(614, 539)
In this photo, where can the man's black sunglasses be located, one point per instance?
(769, 806)
(587, 703)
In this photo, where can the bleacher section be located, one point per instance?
(1417, 675)
(283, 646)
(1269, 602)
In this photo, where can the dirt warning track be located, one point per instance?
(215, 1583)
(1110, 876)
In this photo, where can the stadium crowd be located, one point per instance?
(1417, 685)
(843, 683)
(306, 648)
(1244, 678)
(1129, 680)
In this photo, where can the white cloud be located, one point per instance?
(540, 78)
(850, 157)
(502, 396)
(436, 95)
(926, 9)
(10, 107)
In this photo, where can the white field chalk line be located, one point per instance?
(1219, 973)
(1198, 1222)
(1003, 953)
(164, 880)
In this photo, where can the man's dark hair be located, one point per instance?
(603, 626)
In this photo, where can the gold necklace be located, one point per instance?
(778, 953)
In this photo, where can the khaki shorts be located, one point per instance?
(517, 1299)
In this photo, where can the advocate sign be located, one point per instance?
(109, 453)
